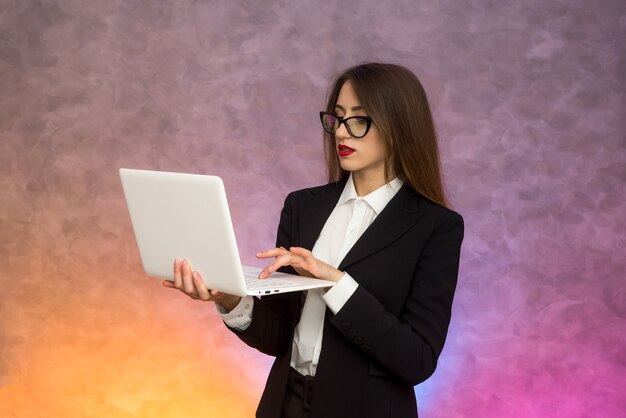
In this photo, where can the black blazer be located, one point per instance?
(389, 334)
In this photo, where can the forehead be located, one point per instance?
(347, 99)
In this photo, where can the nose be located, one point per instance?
(342, 132)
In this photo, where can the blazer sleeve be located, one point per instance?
(272, 316)
(409, 345)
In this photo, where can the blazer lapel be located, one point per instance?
(400, 214)
(315, 210)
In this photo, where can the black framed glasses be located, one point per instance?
(357, 126)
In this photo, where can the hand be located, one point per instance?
(191, 284)
(302, 261)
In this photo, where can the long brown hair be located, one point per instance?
(395, 99)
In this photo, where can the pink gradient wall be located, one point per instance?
(529, 101)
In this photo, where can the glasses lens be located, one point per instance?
(358, 126)
(330, 123)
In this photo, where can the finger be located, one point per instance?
(301, 252)
(309, 262)
(178, 275)
(200, 287)
(216, 295)
(188, 286)
(283, 260)
(267, 270)
(275, 252)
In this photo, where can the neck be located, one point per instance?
(367, 182)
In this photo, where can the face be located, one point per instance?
(361, 156)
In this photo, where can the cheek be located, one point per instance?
(377, 150)
(376, 145)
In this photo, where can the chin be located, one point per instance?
(349, 167)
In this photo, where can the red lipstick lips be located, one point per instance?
(344, 150)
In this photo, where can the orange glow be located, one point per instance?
(113, 353)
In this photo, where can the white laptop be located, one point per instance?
(186, 216)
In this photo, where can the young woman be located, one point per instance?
(381, 229)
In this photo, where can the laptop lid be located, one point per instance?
(185, 216)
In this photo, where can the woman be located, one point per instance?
(381, 230)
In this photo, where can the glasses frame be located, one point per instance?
(345, 123)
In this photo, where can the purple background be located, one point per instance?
(528, 99)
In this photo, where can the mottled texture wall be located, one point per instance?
(529, 101)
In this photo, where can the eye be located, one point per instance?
(357, 123)
(330, 123)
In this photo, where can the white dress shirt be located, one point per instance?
(349, 219)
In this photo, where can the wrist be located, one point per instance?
(229, 305)
(336, 275)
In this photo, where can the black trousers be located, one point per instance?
(298, 400)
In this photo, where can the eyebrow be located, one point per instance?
(354, 109)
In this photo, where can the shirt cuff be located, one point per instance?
(241, 316)
(338, 295)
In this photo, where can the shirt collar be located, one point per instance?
(377, 199)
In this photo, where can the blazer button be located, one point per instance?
(352, 333)
(365, 348)
(358, 340)
(346, 326)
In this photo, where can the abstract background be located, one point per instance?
(528, 99)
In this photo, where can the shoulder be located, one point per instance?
(329, 189)
(441, 218)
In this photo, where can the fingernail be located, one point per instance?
(195, 275)
(185, 263)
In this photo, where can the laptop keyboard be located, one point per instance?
(254, 283)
